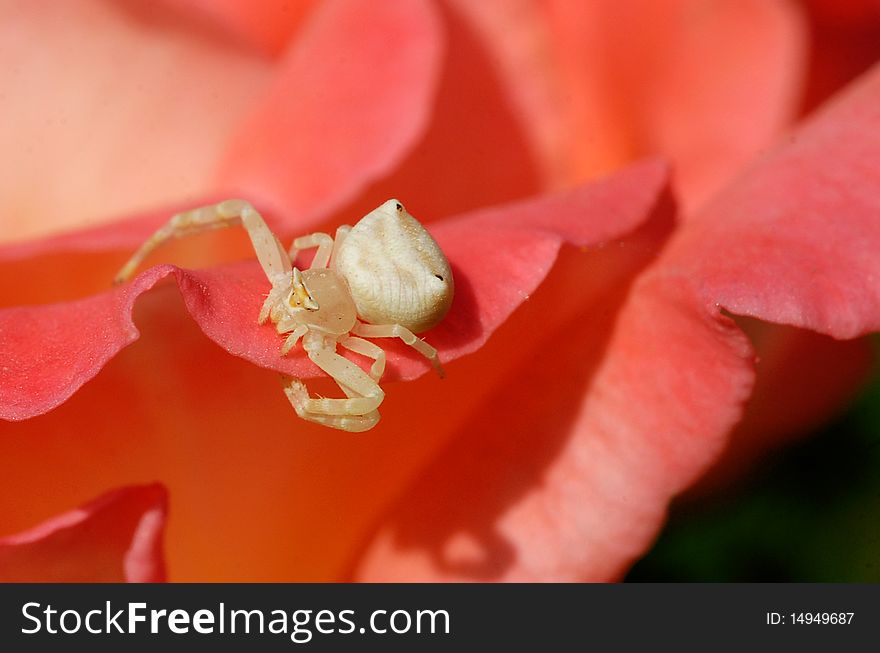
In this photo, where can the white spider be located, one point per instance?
(384, 277)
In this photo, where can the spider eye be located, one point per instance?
(399, 206)
(438, 277)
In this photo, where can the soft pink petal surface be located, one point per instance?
(795, 240)
(592, 485)
(724, 88)
(117, 537)
(115, 108)
(266, 25)
(707, 84)
(349, 99)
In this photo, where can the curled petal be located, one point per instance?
(498, 256)
(795, 240)
(236, 442)
(117, 537)
(803, 380)
(50, 351)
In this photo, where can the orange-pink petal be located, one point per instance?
(347, 103)
(564, 470)
(114, 538)
(114, 110)
(794, 241)
(266, 25)
(498, 256)
(706, 84)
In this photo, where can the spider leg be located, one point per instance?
(327, 246)
(298, 332)
(341, 233)
(368, 394)
(322, 241)
(357, 412)
(367, 348)
(230, 213)
(276, 294)
(397, 331)
(297, 394)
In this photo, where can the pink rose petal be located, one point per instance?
(475, 150)
(845, 42)
(267, 25)
(349, 100)
(803, 380)
(795, 240)
(725, 86)
(117, 537)
(707, 84)
(499, 257)
(113, 110)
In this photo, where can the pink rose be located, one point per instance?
(593, 371)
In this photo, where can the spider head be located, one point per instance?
(300, 298)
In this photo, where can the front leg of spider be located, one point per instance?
(271, 255)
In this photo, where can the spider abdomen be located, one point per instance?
(396, 271)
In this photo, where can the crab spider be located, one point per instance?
(383, 278)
